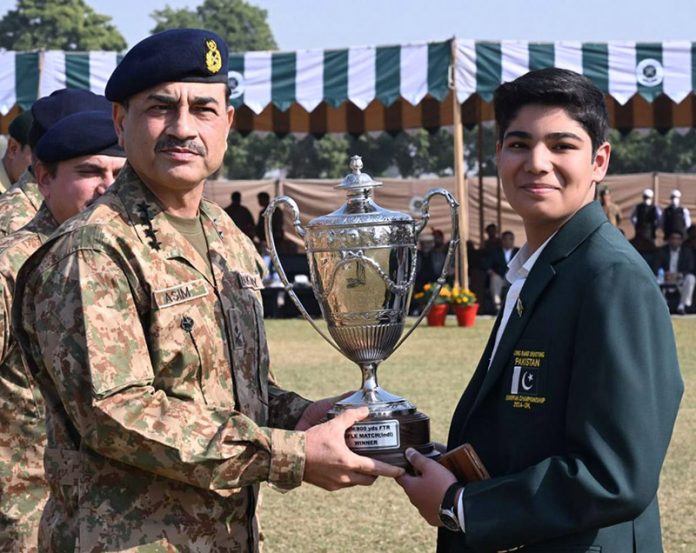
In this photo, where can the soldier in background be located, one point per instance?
(77, 161)
(675, 217)
(21, 202)
(611, 210)
(18, 153)
(141, 320)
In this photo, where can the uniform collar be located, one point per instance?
(5, 182)
(27, 185)
(155, 231)
(43, 223)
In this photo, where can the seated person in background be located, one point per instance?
(677, 262)
(646, 248)
(497, 266)
(690, 241)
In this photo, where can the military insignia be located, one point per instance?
(150, 231)
(520, 308)
(213, 58)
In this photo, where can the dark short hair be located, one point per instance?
(575, 94)
(507, 233)
(236, 196)
(263, 196)
(51, 167)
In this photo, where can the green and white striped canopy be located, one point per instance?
(306, 77)
(392, 88)
(619, 69)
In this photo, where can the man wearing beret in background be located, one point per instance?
(18, 153)
(142, 322)
(77, 160)
(21, 202)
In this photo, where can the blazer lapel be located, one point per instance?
(535, 284)
(463, 409)
(566, 240)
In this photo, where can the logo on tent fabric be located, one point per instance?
(415, 205)
(650, 72)
(236, 82)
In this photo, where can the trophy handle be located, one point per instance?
(454, 242)
(287, 285)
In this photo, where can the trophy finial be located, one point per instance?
(356, 180)
(356, 164)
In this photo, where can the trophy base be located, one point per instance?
(385, 438)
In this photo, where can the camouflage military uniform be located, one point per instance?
(23, 487)
(5, 182)
(162, 418)
(19, 204)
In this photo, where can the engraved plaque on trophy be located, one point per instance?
(362, 261)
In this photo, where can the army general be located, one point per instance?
(141, 320)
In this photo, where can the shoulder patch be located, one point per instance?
(181, 293)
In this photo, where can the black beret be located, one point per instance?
(19, 128)
(189, 55)
(80, 134)
(49, 110)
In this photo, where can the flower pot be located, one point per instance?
(466, 314)
(438, 314)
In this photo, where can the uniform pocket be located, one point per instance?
(177, 340)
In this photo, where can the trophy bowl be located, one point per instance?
(362, 260)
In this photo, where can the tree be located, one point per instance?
(639, 152)
(58, 24)
(244, 27)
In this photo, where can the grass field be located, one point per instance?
(431, 369)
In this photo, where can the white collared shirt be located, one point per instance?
(519, 267)
(673, 261)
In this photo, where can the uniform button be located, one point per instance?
(187, 323)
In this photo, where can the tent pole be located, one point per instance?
(499, 194)
(479, 148)
(460, 180)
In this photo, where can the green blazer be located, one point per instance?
(575, 414)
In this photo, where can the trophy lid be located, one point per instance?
(360, 208)
(357, 180)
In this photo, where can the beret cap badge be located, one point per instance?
(213, 58)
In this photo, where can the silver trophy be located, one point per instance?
(362, 260)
